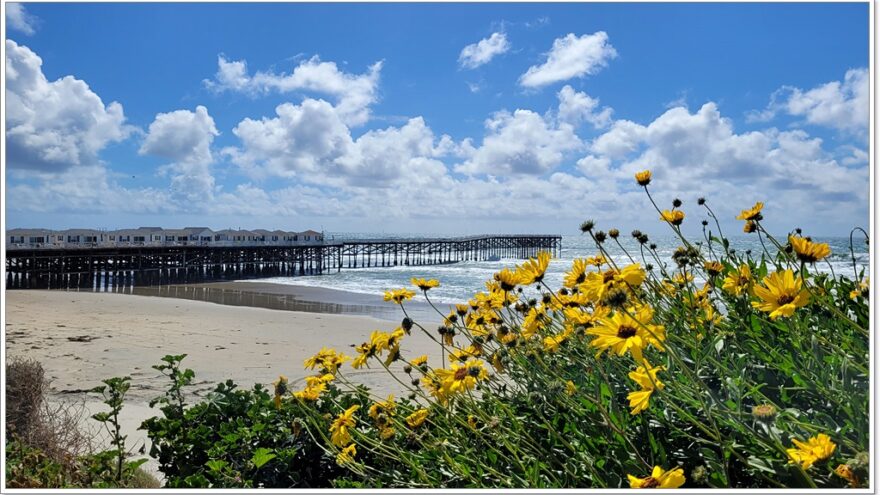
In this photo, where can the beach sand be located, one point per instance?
(81, 338)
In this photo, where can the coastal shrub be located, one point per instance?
(715, 369)
(236, 437)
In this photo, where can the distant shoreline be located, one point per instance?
(285, 297)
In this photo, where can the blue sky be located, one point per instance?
(356, 117)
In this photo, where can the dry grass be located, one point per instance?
(56, 429)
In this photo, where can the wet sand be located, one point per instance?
(83, 337)
(293, 298)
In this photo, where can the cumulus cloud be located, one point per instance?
(701, 152)
(843, 105)
(354, 93)
(185, 138)
(571, 56)
(311, 142)
(54, 125)
(576, 107)
(522, 142)
(20, 19)
(483, 51)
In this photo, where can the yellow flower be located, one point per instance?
(584, 319)
(399, 295)
(508, 279)
(472, 421)
(496, 362)
(532, 271)
(310, 393)
(379, 408)
(425, 285)
(862, 290)
(807, 251)
(752, 213)
(340, 433)
(416, 419)
(739, 281)
(621, 333)
(553, 342)
(598, 284)
(535, 319)
(643, 177)
(461, 377)
(386, 432)
(713, 267)
(781, 294)
(597, 260)
(434, 386)
(280, 389)
(639, 400)
(570, 388)
(750, 227)
(815, 449)
(682, 280)
(675, 217)
(659, 478)
(577, 275)
(419, 361)
(647, 377)
(347, 455)
(327, 359)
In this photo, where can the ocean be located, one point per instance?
(459, 281)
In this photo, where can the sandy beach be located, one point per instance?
(83, 337)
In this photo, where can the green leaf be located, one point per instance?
(262, 456)
(217, 464)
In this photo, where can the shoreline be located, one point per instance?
(285, 297)
(83, 337)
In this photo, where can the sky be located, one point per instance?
(445, 119)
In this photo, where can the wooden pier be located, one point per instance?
(113, 268)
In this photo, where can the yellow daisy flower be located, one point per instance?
(340, 429)
(781, 294)
(815, 449)
(425, 285)
(808, 251)
(659, 478)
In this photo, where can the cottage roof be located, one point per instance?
(28, 232)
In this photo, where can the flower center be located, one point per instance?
(651, 482)
(785, 299)
(461, 373)
(626, 331)
(608, 277)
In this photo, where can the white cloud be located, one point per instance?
(185, 138)
(843, 105)
(480, 53)
(520, 143)
(20, 19)
(571, 56)
(181, 136)
(353, 93)
(576, 107)
(623, 138)
(699, 153)
(309, 141)
(54, 125)
(85, 189)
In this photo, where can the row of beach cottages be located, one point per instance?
(157, 236)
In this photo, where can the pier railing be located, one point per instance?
(111, 268)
